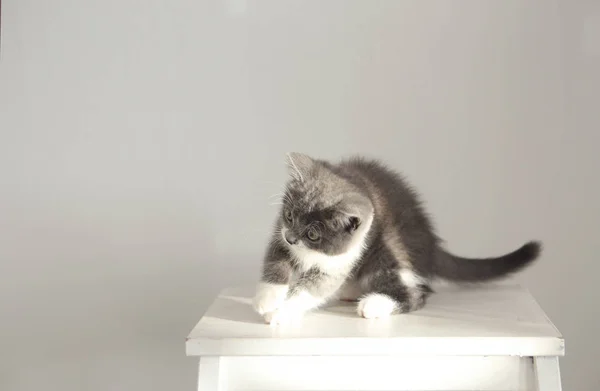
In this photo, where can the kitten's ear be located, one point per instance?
(299, 165)
(353, 223)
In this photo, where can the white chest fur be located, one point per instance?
(331, 264)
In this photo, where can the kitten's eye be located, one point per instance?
(288, 215)
(313, 235)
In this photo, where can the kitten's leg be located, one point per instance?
(350, 291)
(311, 290)
(273, 287)
(392, 291)
(417, 287)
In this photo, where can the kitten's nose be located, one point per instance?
(290, 238)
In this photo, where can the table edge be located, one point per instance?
(439, 346)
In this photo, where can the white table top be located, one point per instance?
(489, 320)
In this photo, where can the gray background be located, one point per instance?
(139, 142)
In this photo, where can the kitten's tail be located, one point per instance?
(458, 269)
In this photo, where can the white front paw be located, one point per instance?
(376, 306)
(269, 297)
(285, 315)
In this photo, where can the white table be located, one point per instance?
(489, 338)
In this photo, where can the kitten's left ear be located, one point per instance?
(299, 165)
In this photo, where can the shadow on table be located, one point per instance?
(236, 310)
(346, 309)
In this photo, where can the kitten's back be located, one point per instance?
(399, 209)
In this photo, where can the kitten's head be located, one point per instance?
(322, 211)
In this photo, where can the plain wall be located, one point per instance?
(140, 142)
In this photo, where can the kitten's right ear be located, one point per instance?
(353, 223)
(299, 165)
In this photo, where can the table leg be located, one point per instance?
(547, 373)
(209, 374)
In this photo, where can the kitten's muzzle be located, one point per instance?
(290, 238)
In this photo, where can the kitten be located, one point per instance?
(356, 230)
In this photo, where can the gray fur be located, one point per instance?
(325, 207)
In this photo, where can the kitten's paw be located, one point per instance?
(284, 316)
(376, 305)
(269, 297)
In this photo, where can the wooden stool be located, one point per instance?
(492, 338)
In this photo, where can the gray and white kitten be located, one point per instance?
(357, 231)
